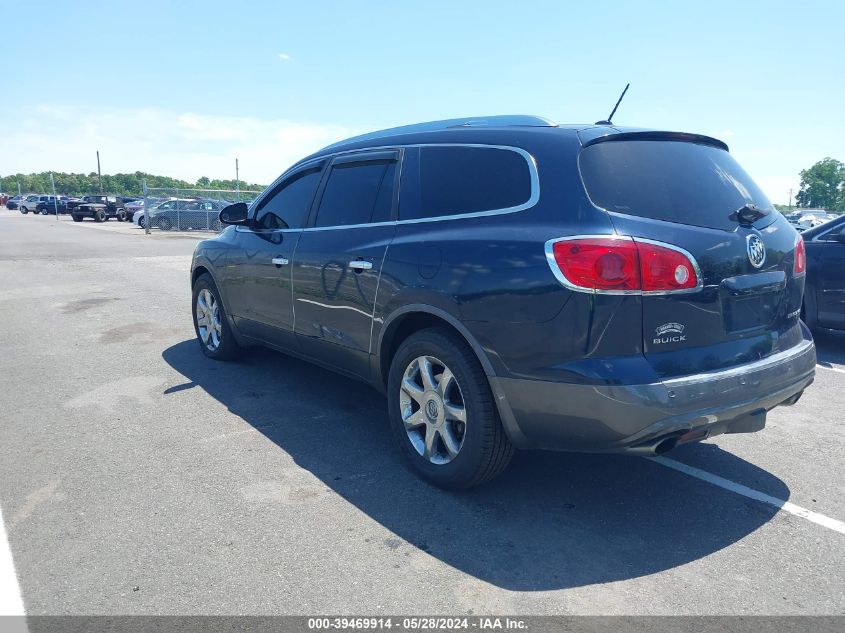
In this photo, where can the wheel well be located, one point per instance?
(199, 270)
(403, 327)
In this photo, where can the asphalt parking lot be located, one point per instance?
(139, 477)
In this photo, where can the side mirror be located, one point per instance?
(840, 237)
(235, 213)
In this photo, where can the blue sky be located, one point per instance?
(183, 88)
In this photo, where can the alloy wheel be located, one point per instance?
(433, 410)
(208, 319)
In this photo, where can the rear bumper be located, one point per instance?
(638, 418)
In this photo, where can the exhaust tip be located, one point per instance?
(666, 445)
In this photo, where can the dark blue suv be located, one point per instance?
(512, 283)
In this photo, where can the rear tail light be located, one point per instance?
(622, 265)
(800, 256)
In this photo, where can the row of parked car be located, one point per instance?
(165, 213)
(99, 207)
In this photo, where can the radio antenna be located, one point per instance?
(610, 118)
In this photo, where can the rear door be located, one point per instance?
(692, 196)
(339, 258)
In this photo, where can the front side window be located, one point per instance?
(442, 180)
(287, 206)
(357, 193)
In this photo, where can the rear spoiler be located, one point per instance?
(657, 136)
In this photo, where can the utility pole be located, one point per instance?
(55, 199)
(237, 181)
(790, 199)
(99, 175)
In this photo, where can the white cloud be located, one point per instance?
(284, 57)
(157, 141)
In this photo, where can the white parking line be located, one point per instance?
(836, 369)
(745, 491)
(11, 602)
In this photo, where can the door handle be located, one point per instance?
(280, 261)
(360, 264)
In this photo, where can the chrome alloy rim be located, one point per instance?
(208, 319)
(433, 409)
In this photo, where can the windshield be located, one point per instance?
(673, 181)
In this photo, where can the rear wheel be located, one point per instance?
(141, 221)
(100, 215)
(24, 210)
(215, 225)
(44, 211)
(76, 218)
(210, 323)
(165, 224)
(121, 215)
(442, 411)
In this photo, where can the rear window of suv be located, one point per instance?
(442, 180)
(684, 182)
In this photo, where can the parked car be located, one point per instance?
(510, 283)
(29, 203)
(100, 208)
(824, 295)
(188, 214)
(183, 214)
(14, 202)
(50, 205)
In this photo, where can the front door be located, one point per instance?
(257, 277)
(339, 257)
(830, 280)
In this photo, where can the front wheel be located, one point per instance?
(24, 210)
(76, 218)
(442, 411)
(210, 324)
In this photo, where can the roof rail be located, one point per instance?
(499, 120)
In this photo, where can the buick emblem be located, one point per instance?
(756, 250)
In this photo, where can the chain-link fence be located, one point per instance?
(184, 209)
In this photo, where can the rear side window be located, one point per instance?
(442, 180)
(674, 181)
(288, 205)
(357, 193)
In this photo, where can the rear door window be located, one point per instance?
(443, 180)
(359, 192)
(675, 181)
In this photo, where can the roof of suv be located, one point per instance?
(448, 129)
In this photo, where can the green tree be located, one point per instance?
(119, 184)
(823, 186)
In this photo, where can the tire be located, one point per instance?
(76, 218)
(121, 215)
(165, 224)
(226, 347)
(44, 211)
(24, 210)
(100, 215)
(141, 221)
(484, 449)
(215, 226)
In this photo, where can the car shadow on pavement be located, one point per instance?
(552, 520)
